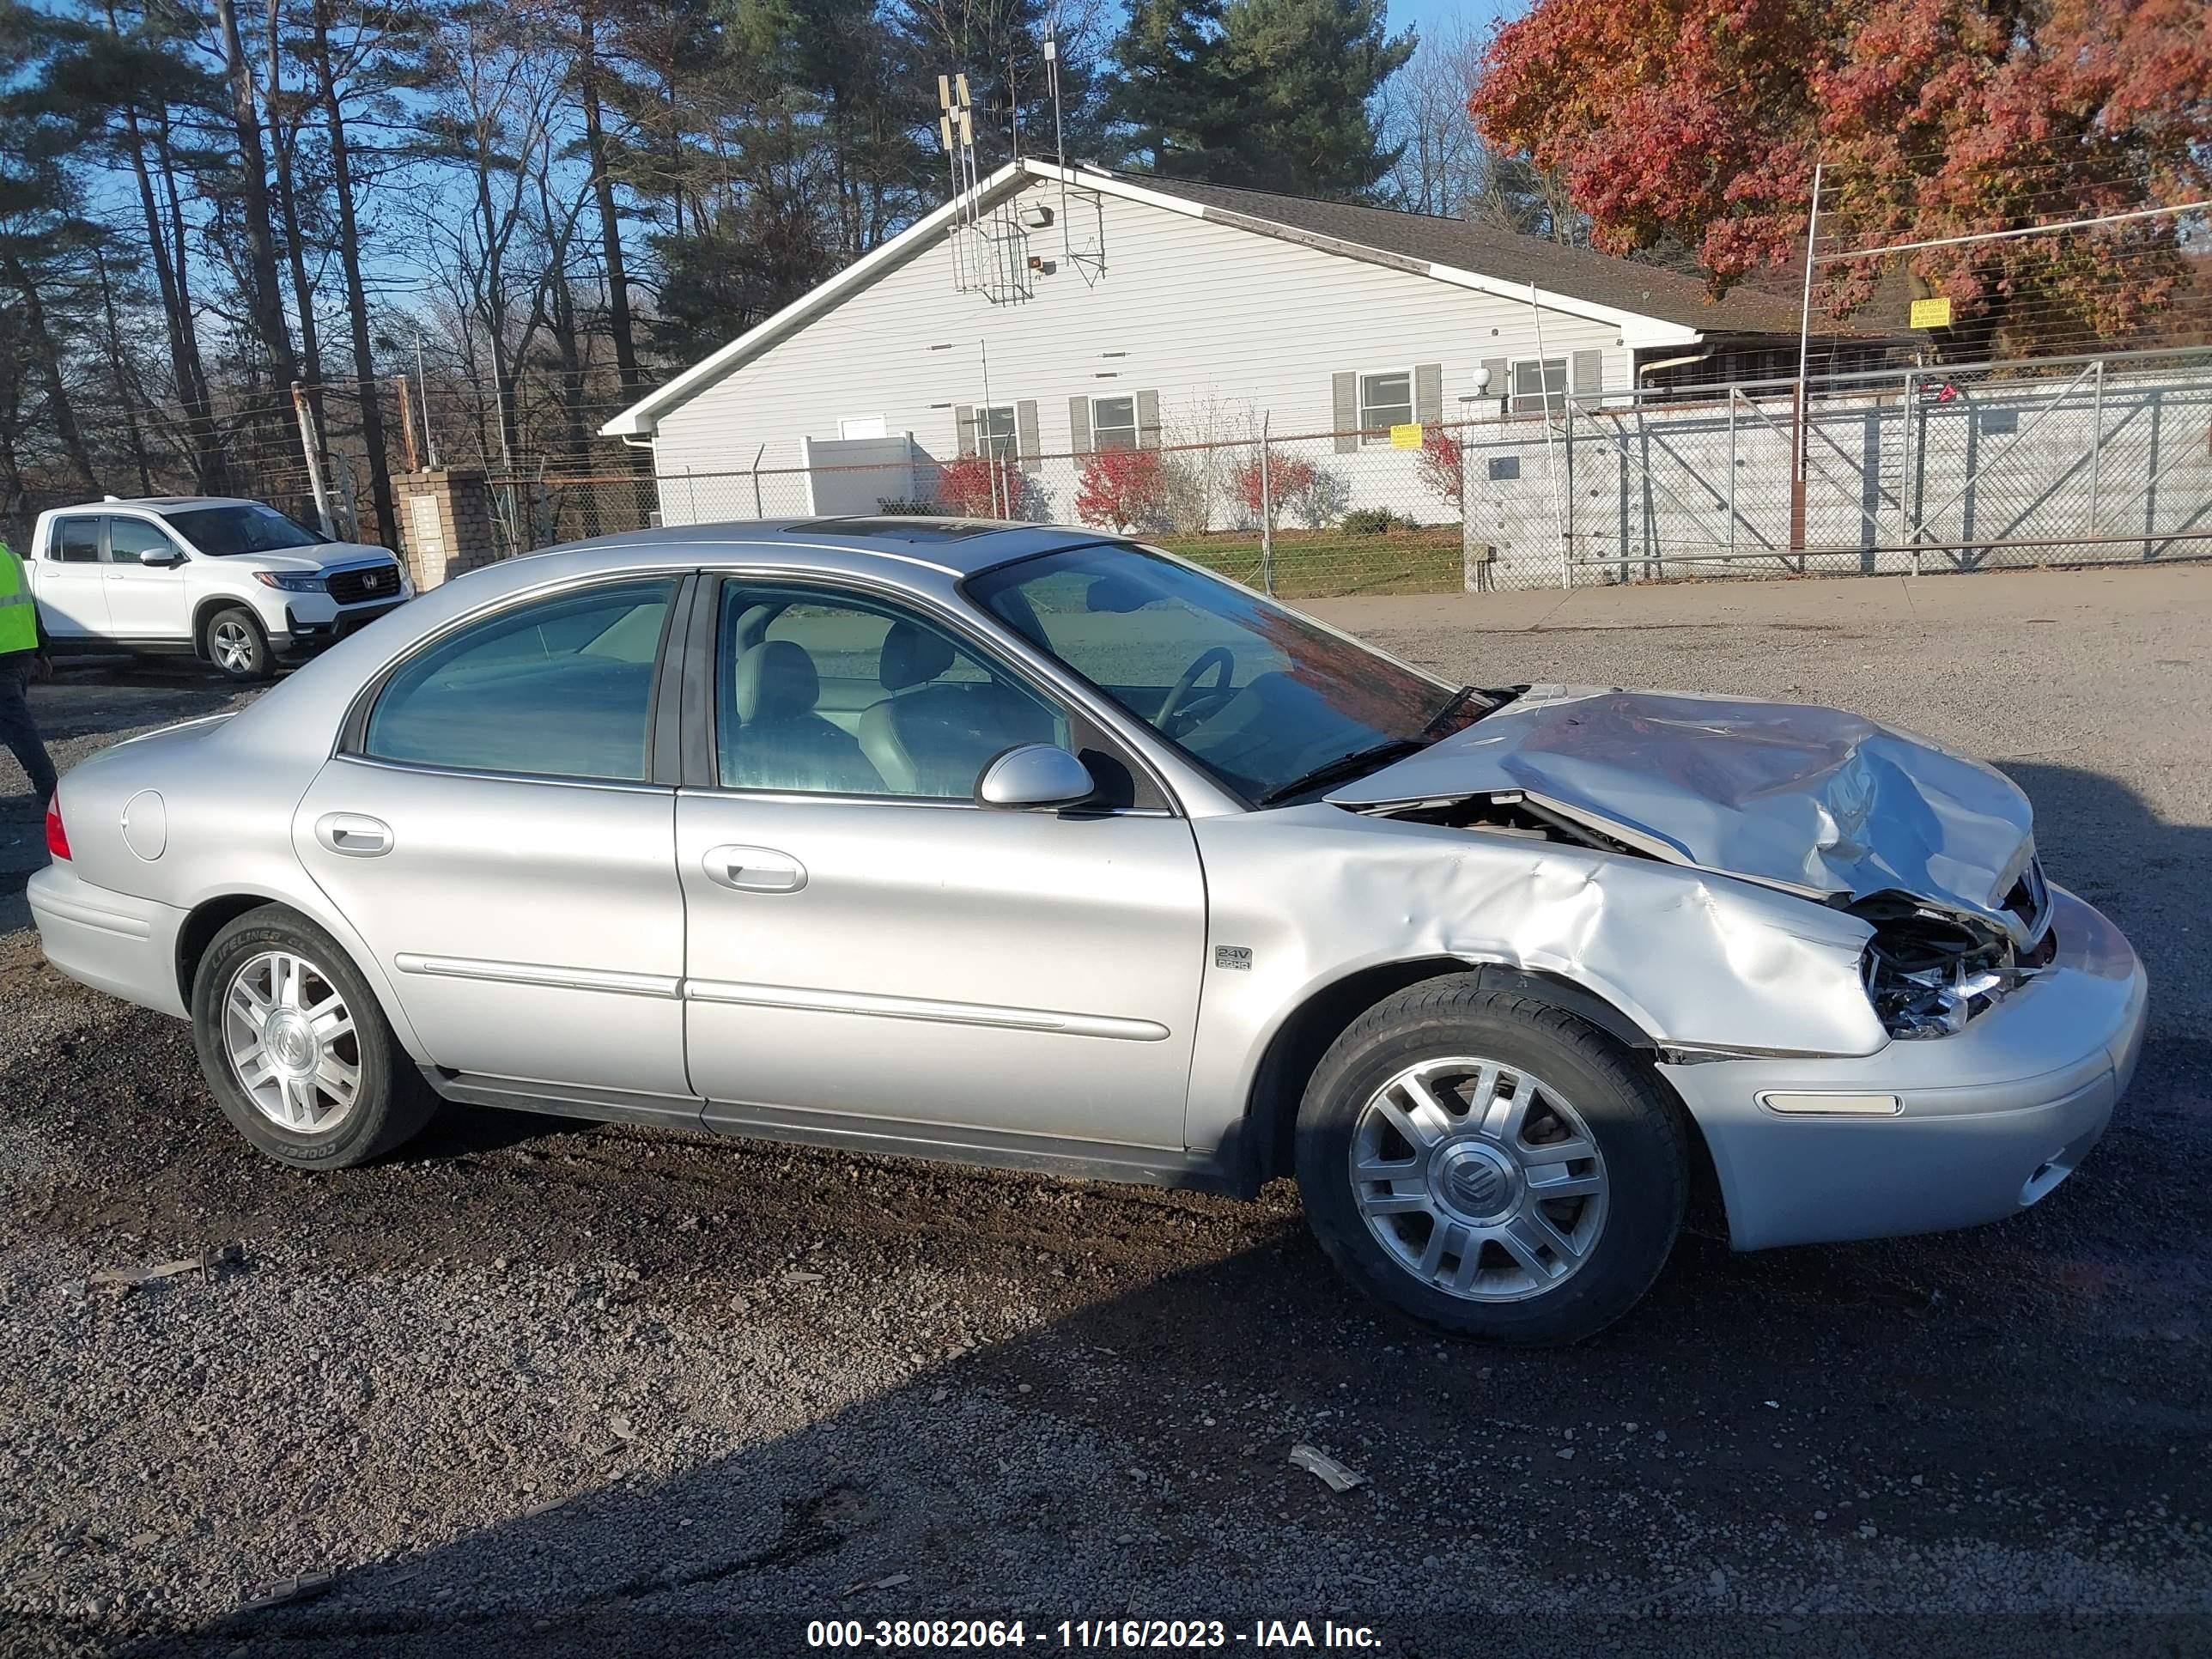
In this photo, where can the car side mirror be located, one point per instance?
(168, 560)
(1036, 774)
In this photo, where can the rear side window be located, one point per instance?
(76, 541)
(556, 687)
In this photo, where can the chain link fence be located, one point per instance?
(1904, 470)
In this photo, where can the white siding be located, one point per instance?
(1223, 324)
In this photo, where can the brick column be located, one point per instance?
(445, 523)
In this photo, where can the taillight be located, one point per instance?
(57, 837)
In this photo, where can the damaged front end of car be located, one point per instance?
(1931, 851)
(1930, 971)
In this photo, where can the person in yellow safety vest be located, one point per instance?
(22, 659)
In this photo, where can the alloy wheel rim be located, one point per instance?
(234, 649)
(291, 1043)
(1479, 1178)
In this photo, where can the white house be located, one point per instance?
(1055, 311)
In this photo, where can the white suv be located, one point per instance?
(233, 582)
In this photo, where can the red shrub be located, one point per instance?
(1290, 479)
(1121, 488)
(1442, 466)
(976, 487)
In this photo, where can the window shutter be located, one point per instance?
(1589, 375)
(1428, 392)
(1148, 420)
(1344, 412)
(1025, 434)
(1079, 425)
(1498, 389)
(963, 417)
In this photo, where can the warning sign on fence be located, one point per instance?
(1931, 313)
(1407, 437)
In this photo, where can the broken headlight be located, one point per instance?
(1928, 972)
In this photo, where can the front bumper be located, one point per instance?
(111, 941)
(1993, 1118)
(305, 635)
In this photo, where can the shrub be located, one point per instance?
(1442, 466)
(977, 487)
(1290, 480)
(1121, 488)
(1373, 521)
(901, 507)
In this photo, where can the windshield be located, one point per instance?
(243, 527)
(1263, 698)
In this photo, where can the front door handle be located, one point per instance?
(755, 870)
(353, 835)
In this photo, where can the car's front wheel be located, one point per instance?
(1491, 1164)
(236, 644)
(296, 1047)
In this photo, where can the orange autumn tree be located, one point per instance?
(1700, 121)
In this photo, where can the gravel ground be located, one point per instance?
(548, 1388)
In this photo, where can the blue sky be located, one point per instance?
(1426, 15)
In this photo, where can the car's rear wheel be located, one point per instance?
(1491, 1164)
(236, 646)
(296, 1048)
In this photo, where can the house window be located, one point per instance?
(1385, 401)
(1113, 423)
(1539, 387)
(994, 432)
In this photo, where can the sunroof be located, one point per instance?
(905, 528)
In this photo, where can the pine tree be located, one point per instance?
(1271, 94)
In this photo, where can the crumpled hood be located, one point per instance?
(1812, 799)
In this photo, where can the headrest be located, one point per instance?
(775, 681)
(913, 656)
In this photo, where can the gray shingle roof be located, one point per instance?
(1579, 273)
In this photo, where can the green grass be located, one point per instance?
(1320, 564)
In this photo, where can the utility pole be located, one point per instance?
(314, 460)
(1804, 348)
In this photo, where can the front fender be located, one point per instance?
(1695, 961)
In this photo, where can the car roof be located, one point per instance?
(957, 547)
(165, 503)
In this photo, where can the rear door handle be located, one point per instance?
(353, 835)
(754, 870)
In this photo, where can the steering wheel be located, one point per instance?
(1216, 656)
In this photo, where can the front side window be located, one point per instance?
(1385, 401)
(76, 541)
(825, 693)
(994, 432)
(243, 527)
(1539, 388)
(133, 540)
(1258, 695)
(559, 687)
(1113, 423)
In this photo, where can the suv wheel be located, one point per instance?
(234, 643)
(1492, 1166)
(296, 1048)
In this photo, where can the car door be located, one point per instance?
(870, 951)
(492, 828)
(71, 583)
(145, 601)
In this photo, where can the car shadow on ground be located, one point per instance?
(1128, 1451)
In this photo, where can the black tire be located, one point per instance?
(1629, 1114)
(391, 1102)
(251, 658)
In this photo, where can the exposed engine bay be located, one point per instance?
(1927, 971)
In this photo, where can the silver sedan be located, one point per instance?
(1033, 847)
